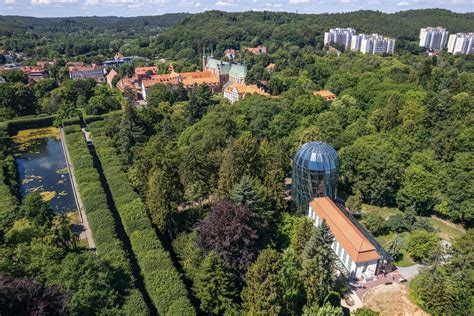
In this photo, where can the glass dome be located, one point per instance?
(315, 172)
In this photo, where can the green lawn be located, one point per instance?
(405, 260)
(447, 230)
(385, 212)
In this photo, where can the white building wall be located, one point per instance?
(356, 269)
(433, 38)
(461, 43)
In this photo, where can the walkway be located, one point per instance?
(85, 231)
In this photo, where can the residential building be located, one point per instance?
(238, 91)
(118, 60)
(461, 43)
(433, 38)
(356, 255)
(230, 53)
(34, 72)
(84, 72)
(326, 94)
(142, 72)
(339, 36)
(259, 50)
(376, 44)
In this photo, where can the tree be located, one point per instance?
(23, 231)
(318, 265)
(37, 210)
(302, 236)
(215, 287)
(262, 294)
(130, 133)
(290, 284)
(229, 230)
(164, 195)
(375, 224)
(239, 158)
(325, 310)
(371, 166)
(28, 297)
(15, 75)
(422, 245)
(354, 202)
(365, 311)
(199, 101)
(417, 189)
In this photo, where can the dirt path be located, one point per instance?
(392, 300)
(85, 231)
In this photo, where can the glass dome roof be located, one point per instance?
(317, 156)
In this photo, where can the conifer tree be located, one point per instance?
(317, 265)
(215, 286)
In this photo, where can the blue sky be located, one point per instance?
(42, 8)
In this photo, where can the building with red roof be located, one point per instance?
(352, 247)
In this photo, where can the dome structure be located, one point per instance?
(315, 172)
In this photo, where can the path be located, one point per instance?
(85, 231)
(411, 271)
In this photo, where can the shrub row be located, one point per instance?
(8, 199)
(29, 122)
(100, 217)
(162, 280)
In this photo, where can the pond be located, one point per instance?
(42, 167)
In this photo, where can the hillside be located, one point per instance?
(232, 29)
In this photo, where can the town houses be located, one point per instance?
(79, 71)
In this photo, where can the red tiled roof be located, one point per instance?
(346, 233)
(145, 70)
(83, 68)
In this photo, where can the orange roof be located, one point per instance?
(118, 55)
(32, 69)
(126, 83)
(83, 68)
(157, 79)
(260, 49)
(189, 81)
(111, 75)
(243, 89)
(346, 233)
(145, 70)
(328, 95)
(271, 66)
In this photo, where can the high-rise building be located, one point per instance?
(461, 43)
(339, 36)
(376, 44)
(433, 38)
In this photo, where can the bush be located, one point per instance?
(162, 281)
(375, 224)
(101, 220)
(422, 245)
(32, 122)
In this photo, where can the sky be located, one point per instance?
(64, 8)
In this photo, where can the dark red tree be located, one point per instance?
(28, 297)
(229, 230)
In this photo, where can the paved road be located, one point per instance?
(410, 272)
(85, 233)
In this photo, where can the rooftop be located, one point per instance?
(243, 89)
(359, 248)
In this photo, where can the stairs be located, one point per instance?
(341, 267)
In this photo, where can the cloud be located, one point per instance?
(9, 1)
(403, 4)
(224, 3)
(46, 2)
(298, 1)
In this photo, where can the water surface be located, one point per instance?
(42, 167)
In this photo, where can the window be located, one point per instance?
(344, 257)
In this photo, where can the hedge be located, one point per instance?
(8, 200)
(100, 218)
(162, 281)
(29, 122)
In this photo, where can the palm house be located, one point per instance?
(315, 172)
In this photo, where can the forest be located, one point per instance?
(198, 184)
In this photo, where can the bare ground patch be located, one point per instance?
(391, 300)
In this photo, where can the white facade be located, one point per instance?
(433, 38)
(339, 36)
(461, 43)
(232, 96)
(376, 44)
(359, 270)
